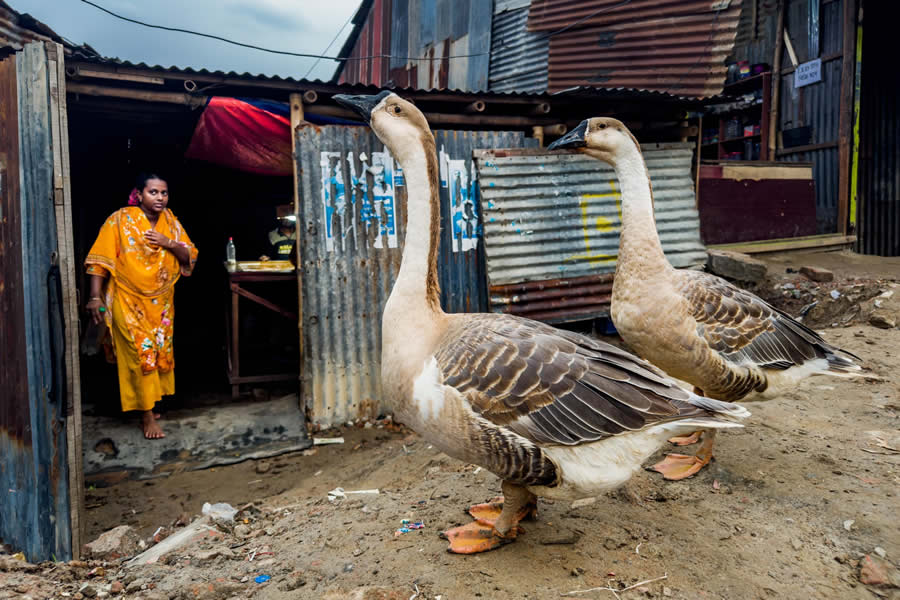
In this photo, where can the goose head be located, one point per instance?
(397, 122)
(603, 138)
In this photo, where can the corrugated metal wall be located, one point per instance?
(432, 29)
(373, 41)
(673, 46)
(557, 217)
(879, 138)
(816, 105)
(351, 238)
(34, 513)
(518, 56)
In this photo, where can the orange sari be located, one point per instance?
(139, 296)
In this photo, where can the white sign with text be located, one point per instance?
(808, 72)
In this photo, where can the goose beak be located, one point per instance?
(573, 139)
(364, 105)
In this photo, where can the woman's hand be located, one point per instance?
(157, 239)
(96, 308)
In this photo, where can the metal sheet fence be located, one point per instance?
(352, 228)
(34, 514)
(556, 217)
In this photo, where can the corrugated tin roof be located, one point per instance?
(552, 216)
(675, 46)
(17, 29)
(83, 55)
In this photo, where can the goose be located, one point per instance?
(728, 343)
(552, 413)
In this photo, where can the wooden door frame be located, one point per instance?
(62, 200)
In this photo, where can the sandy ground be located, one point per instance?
(791, 507)
(787, 509)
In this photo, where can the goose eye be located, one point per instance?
(601, 126)
(397, 109)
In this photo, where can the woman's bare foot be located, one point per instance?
(152, 430)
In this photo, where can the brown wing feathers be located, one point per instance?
(551, 386)
(746, 331)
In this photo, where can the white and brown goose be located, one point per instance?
(551, 412)
(730, 344)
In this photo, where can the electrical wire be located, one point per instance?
(333, 40)
(270, 50)
(341, 58)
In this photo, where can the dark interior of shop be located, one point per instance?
(110, 143)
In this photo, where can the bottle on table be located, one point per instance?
(230, 261)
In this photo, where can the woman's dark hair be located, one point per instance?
(142, 179)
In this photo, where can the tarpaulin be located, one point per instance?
(248, 134)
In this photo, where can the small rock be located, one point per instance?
(242, 531)
(611, 544)
(667, 591)
(135, 586)
(294, 580)
(90, 592)
(560, 537)
(875, 571)
(817, 274)
(263, 467)
(834, 294)
(848, 524)
(880, 551)
(735, 265)
(882, 321)
(116, 588)
(78, 596)
(121, 542)
(348, 568)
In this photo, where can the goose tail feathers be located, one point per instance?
(724, 410)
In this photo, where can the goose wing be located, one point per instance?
(553, 386)
(745, 330)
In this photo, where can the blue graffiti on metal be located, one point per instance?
(373, 203)
(463, 212)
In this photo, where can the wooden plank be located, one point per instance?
(297, 118)
(66, 249)
(48, 518)
(806, 148)
(749, 171)
(823, 242)
(845, 118)
(776, 79)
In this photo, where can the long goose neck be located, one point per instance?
(417, 283)
(638, 241)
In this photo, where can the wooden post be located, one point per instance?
(62, 191)
(296, 120)
(845, 119)
(538, 133)
(699, 151)
(776, 78)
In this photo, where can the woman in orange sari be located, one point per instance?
(140, 253)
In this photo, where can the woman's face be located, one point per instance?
(155, 196)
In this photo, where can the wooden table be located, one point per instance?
(236, 280)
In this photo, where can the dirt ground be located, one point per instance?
(792, 507)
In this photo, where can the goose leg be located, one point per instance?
(681, 466)
(496, 524)
(687, 440)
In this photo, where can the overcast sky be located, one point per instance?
(291, 25)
